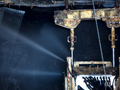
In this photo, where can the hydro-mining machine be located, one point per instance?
(103, 75)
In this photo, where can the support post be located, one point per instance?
(69, 77)
(113, 45)
(72, 44)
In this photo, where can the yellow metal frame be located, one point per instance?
(71, 18)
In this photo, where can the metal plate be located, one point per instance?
(86, 14)
(73, 14)
(60, 14)
(67, 23)
(100, 13)
(112, 12)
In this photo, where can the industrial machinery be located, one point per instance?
(92, 75)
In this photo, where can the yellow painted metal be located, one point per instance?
(112, 37)
(69, 77)
(86, 14)
(73, 14)
(72, 39)
(113, 22)
(68, 23)
(112, 12)
(100, 13)
(71, 18)
(73, 84)
(107, 63)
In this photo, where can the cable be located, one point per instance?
(99, 39)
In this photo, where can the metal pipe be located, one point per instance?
(72, 44)
(68, 73)
(72, 58)
(113, 45)
(113, 57)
